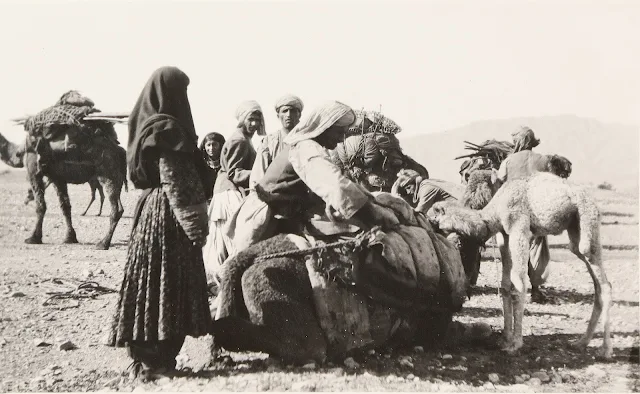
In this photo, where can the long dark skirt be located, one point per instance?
(163, 296)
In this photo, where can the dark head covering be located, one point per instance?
(217, 137)
(161, 121)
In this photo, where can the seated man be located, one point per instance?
(422, 193)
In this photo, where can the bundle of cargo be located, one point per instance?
(491, 151)
(73, 121)
(406, 271)
(371, 154)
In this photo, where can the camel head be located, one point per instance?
(559, 165)
(10, 153)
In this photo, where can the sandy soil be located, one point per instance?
(32, 332)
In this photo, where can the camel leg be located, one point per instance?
(98, 186)
(113, 188)
(38, 187)
(93, 198)
(505, 290)
(65, 204)
(603, 290)
(519, 239)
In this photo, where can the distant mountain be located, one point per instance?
(599, 151)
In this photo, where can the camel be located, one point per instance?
(107, 165)
(543, 204)
(13, 155)
(275, 313)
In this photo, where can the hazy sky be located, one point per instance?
(431, 65)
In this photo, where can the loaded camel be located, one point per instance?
(97, 156)
(13, 155)
(272, 303)
(543, 204)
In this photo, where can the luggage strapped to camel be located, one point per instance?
(60, 130)
(366, 284)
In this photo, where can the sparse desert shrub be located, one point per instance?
(605, 186)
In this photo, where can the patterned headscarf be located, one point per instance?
(320, 119)
(290, 100)
(245, 109)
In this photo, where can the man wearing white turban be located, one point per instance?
(301, 176)
(232, 184)
(289, 109)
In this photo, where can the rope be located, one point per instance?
(89, 289)
(356, 242)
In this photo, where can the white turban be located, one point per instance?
(320, 119)
(247, 108)
(290, 100)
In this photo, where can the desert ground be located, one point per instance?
(34, 331)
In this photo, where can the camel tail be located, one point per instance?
(123, 168)
(589, 219)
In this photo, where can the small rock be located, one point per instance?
(351, 363)
(100, 272)
(40, 342)
(410, 376)
(87, 273)
(525, 376)
(535, 382)
(406, 362)
(518, 380)
(163, 381)
(52, 381)
(494, 378)
(371, 352)
(303, 386)
(18, 294)
(556, 378)
(416, 379)
(544, 378)
(138, 389)
(3, 341)
(447, 357)
(463, 359)
(488, 385)
(390, 378)
(309, 366)
(272, 368)
(67, 345)
(418, 349)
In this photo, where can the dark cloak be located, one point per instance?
(161, 120)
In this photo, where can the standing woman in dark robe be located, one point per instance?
(163, 296)
(232, 185)
(211, 147)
